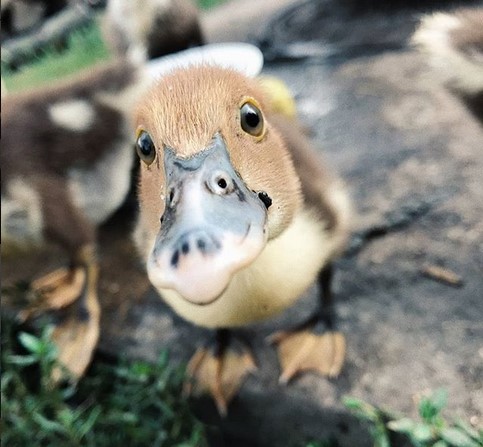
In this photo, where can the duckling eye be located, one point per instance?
(145, 148)
(251, 119)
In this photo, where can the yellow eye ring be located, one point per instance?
(145, 147)
(251, 118)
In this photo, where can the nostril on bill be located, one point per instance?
(185, 248)
(200, 241)
(220, 183)
(206, 243)
(201, 244)
(175, 259)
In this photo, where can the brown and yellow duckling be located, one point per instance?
(238, 217)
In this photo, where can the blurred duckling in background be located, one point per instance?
(66, 161)
(454, 42)
(238, 217)
(280, 97)
(159, 27)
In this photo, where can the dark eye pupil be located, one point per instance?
(145, 148)
(145, 144)
(252, 118)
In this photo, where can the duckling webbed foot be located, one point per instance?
(54, 291)
(220, 369)
(73, 293)
(310, 348)
(76, 336)
(315, 345)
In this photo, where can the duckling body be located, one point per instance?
(66, 165)
(52, 145)
(158, 26)
(295, 212)
(454, 42)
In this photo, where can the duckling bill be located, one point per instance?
(213, 225)
(238, 217)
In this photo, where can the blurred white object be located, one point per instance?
(243, 57)
(454, 42)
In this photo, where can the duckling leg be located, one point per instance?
(220, 369)
(315, 345)
(77, 333)
(71, 290)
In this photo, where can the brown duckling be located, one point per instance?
(238, 217)
(66, 161)
(157, 26)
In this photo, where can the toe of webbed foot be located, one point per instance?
(75, 337)
(309, 349)
(54, 291)
(220, 370)
(69, 296)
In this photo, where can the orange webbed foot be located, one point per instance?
(72, 293)
(219, 371)
(306, 350)
(76, 337)
(54, 291)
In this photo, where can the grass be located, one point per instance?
(85, 47)
(207, 4)
(129, 403)
(132, 403)
(431, 430)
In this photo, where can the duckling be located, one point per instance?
(281, 99)
(238, 217)
(159, 27)
(66, 160)
(454, 42)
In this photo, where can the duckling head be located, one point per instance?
(217, 182)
